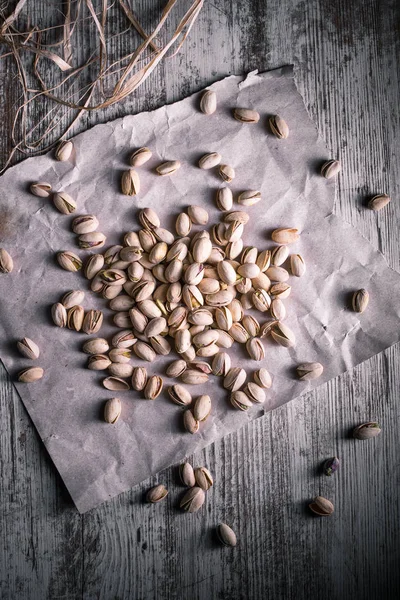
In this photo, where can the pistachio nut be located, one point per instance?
(153, 387)
(378, 202)
(221, 364)
(264, 260)
(186, 474)
(130, 183)
(189, 422)
(64, 150)
(249, 255)
(178, 251)
(30, 375)
(208, 161)
(183, 225)
(64, 203)
(239, 333)
(139, 378)
(203, 478)
(226, 535)
(202, 407)
(205, 338)
(176, 368)
(147, 239)
(247, 299)
(59, 315)
(331, 466)
(360, 300)
(280, 290)
(236, 310)
(40, 189)
(28, 348)
(216, 256)
(115, 384)
(249, 270)
(69, 261)
(180, 395)
(251, 325)
(261, 281)
(297, 265)
(246, 115)
(122, 319)
(240, 400)
(285, 235)
(249, 197)
(278, 127)
(73, 298)
(234, 231)
(255, 392)
(193, 377)
(208, 102)
(183, 340)
(233, 249)
(201, 365)
(193, 500)
(277, 309)
(189, 354)
(163, 235)
(75, 316)
(168, 168)
(261, 300)
(330, 168)
(156, 494)
(226, 172)
(140, 157)
(226, 272)
(283, 335)
(120, 355)
(223, 317)
(98, 362)
(218, 234)
(6, 262)
(309, 371)
(262, 378)
(122, 370)
(160, 345)
(366, 431)
(279, 255)
(130, 254)
(149, 308)
(178, 317)
(131, 238)
(198, 215)
(224, 339)
(201, 250)
(94, 265)
(92, 322)
(144, 351)
(278, 274)
(224, 199)
(155, 326)
(235, 378)
(200, 316)
(194, 274)
(321, 507)
(112, 410)
(244, 286)
(255, 349)
(221, 298)
(123, 339)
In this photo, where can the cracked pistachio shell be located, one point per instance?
(112, 410)
(6, 262)
(221, 364)
(255, 349)
(73, 298)
(262, 378)
(153, 387)
(186, 474)
(193, 377)
(122, 370)
(261, 300)
(378, 202)
(226, 535)
(69, 261)
(75, 316)
(277, 309)
(366, 431)
(179, 395)
(200, 316)
(176, 368)
(226, 172)
(193, 499)
(331, 466)
(156, 494)
(255, 392)
(92, 322)
(140, 157)
(201, 365)
(64, 203)
(40, 189)
(168, 168)
(279, 255)
(59, 315)
(130, 183)
(240, 400)
(263, 260)
(189, 422)
(198, 215)
(223, 318)
(93, 265)
(321, 506)
(278, 127)
(88, 241)
(246, 115)
(249, 197)
(203, 478)
(224, 199)
(64, 150)
(297, 265)
(120, 355)
(330, 168)
(202, 407)
(160, 345)
(235, 378)
(236, 215)
(251, 325)
(155, 326)
(239, 333)
(208, 102)
(283, 335)
(98, 362)
(115, 384)
(30, 375)
(280, 290)
(139, 378)
(360, 300)
(28, 348)
(309, 371)
(144, 351)
(96, 346)
(208, 161)
(221, 298)
(224, 339)
(123, 339)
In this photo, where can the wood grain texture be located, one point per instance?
(346, 57)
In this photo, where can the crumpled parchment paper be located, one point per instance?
(97, 460)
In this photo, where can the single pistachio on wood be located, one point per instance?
(64, 203)
(278, 127)
(227, 173)
(75, 316)
(153, 387)
(139, 378)
(297, 265)
(69, 261)
(112, 410)
(249, 197)
(255, 392)
(235, 378)
(208, 161)
(168, 168)
(41, 189)
(321, 506)
(255, 349)
(224, 198)
(116, 384)
(6, 262)
(208, 102)
(59, 314)
(93, 265)
(240, 400)
(285, 235)
(309, 371)
(378, 202)
(144, 351)
(279, 255)
(64, 150)
(366, 431)
(331, 466)
(203, 478)
(193, 377)
(122, 370)
(202, 407)
(330, 168)
(156, 494)
(189, 422)
(176, 368)
(28, 348)
(277, 309)
(262, 378)
(140, 157)
(186, 474)
(226, 535)
(360, 300)
(246, 115)
(193, 499)
(98, 362)
(130, 183)
(92, 322)
(283, 335)
(73, 298)
(30, 375)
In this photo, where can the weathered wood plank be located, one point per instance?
(346, 58)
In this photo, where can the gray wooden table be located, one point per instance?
(346, 57)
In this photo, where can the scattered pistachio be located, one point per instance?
(366, 431)
(226, 535)
(112, 410)
(208, 102)
(30, 375)
(321, 507)
(157, 493)
(331, 466)
(330, 168)
(360, 300)
(378, 202)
